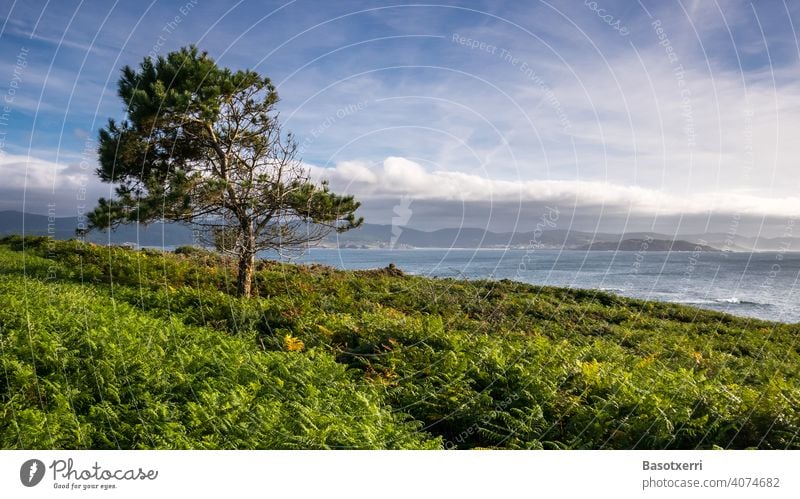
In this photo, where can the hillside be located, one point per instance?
(115, 348)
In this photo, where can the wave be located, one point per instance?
(696, 302)
(736, 301)
(726, 301)
(718, 302)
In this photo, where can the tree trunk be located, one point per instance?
(247, 263)
(244, 281)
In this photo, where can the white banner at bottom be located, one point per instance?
(396, 474)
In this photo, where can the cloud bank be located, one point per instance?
(398, 177)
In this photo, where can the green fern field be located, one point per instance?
(112, 348)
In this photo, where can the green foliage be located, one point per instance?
(478, 364)
(82, 370)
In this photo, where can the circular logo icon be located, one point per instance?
(31, 472)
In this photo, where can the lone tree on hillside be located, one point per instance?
(202, 144)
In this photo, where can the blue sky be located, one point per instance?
(678, 116)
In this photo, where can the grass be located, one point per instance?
(115, 348)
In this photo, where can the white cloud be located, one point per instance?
(41, 182)
(26, 172)
(398, 176)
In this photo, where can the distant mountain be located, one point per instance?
(735, 242)
(157, 234)
(646, 245)
(388, 236)
(385, 236)
(373, 235)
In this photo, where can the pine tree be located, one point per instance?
(203, 145)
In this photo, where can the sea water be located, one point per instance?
(762, 285)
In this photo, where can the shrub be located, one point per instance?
(82, 371)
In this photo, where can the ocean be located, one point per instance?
(762, 285)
